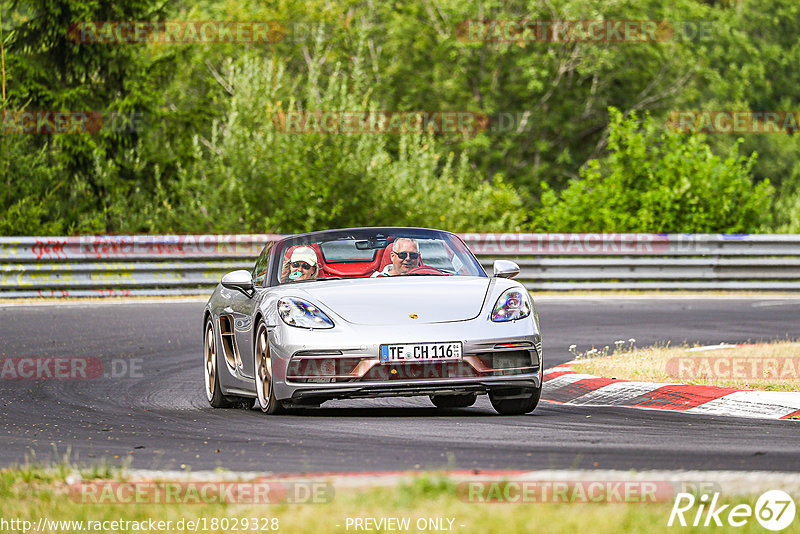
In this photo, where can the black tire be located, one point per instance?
(213, 390)
(454, 401)
(262, 365)
(515, 406)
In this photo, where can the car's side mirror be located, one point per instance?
(505, 269)
(240, 281)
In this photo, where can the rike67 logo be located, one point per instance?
(774, 510)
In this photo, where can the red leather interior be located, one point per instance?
(288, 254)
(350, 269)
(386, 257)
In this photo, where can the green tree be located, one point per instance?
(750, 53)
(192, 168)
(249, 175)
(48, 70)
(549, 99)
(655, 180)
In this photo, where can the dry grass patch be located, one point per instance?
(764, 366)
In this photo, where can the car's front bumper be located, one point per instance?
(507, 387)
(478, 372)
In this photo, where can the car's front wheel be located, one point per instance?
(213, 389)
(264, 375)
(454, 401)
(521, 403)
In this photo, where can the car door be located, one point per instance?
(243, 309)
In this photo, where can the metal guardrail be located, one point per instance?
(122, 265)
(193, 264)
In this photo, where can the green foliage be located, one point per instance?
(655, 180)
(750, 58)
(554, 94)
(429, 487)
(211, 160)
(51, 183)
(251, 176)
(788, 206)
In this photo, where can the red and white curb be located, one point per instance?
(564, 386)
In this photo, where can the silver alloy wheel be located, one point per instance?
(263, 368)
(210, 361)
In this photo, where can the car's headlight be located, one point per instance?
(302, 314)
(513, 304)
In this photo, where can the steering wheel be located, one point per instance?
(426, 269)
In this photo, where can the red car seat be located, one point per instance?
(386, 259)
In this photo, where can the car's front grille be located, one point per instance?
(316, 369)
(417, 371)
(332, 367)
(511, 362)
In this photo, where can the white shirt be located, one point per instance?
(387, 271)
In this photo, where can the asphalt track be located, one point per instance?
(159, 419)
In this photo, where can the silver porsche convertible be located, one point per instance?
(372, 312)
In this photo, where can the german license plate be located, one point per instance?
(421, 352)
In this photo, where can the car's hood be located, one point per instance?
(404, 299)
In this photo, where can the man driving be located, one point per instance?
(405, 256)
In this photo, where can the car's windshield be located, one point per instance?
(374, 253)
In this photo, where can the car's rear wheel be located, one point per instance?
(264, 375)
(213, 389)
(519, 404)
(454, 401)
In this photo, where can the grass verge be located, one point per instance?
(433, 502)
(764, 366)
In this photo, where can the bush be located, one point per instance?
(252, 177)
(656, 180)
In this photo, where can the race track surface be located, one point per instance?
(159, 418)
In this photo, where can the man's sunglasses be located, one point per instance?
(412, 255)
(302, 264)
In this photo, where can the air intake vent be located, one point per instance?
(228, 341)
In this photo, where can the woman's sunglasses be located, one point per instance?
(302, 264)
(412, 255)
